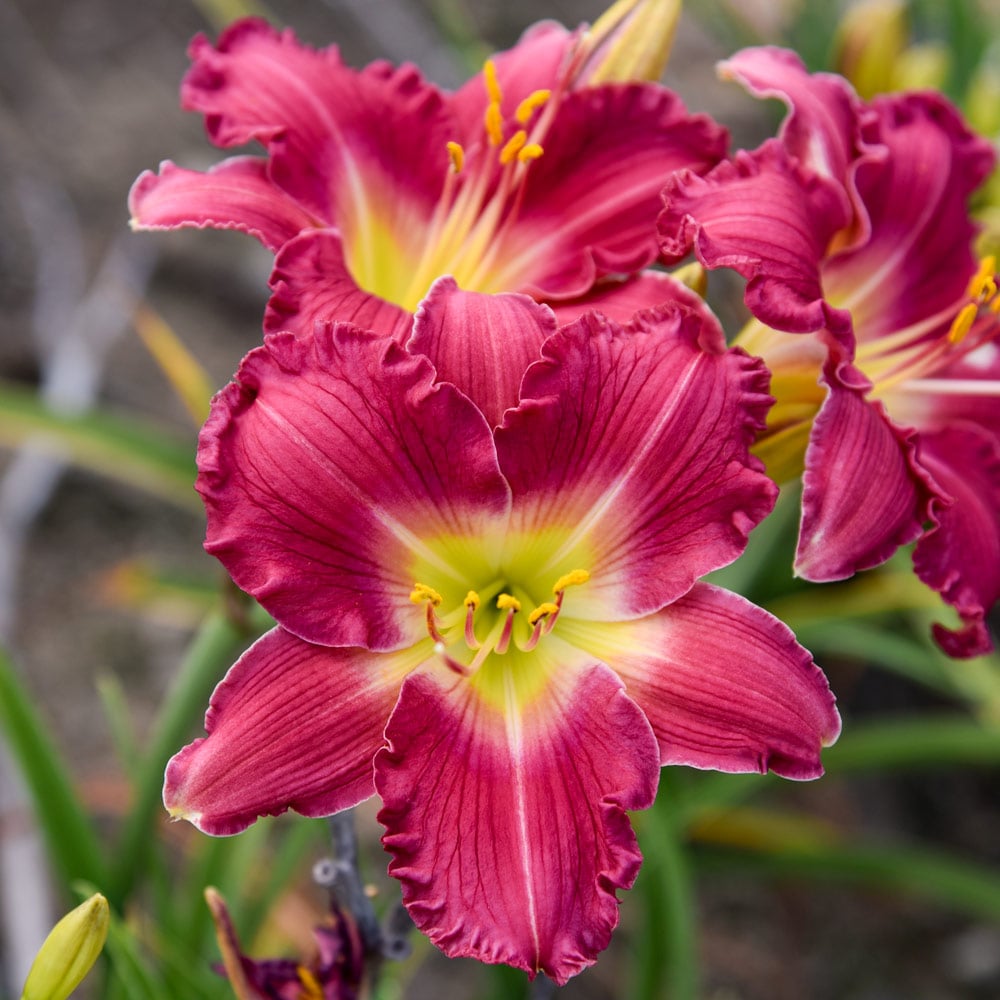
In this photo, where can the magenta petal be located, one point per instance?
(864, 493)
(764, 217)
(960, 556)
(508, 830)
(590, 202)
(621, 300)
(312, 284)
(723, 683)
(483, 344)
(291, 726)
(325, 465)
(648, 473)
(234, 194)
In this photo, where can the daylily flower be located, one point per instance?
(853, 230)
(489, 589)
(334, 973)
(529, 178)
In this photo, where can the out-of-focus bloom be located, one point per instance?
(334, 973)
(853, 229)
(375, 183)
(68, 953)
(487, 585)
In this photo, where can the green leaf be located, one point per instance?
(128, 450)
(70, 838)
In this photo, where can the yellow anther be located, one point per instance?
(492, 84)
(983, 285)
(530, 104)
(457, 155)
(962, 323)
(493, 122)
(508, 601)
(530, 152)
(472, 600)
(311, 988)
(548, 608)
(421, 592)
(571, 579)
(513, 146)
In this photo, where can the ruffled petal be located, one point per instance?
(620, 300)
(507, 821)
(723, 683)
(342, 142)
(235, 194)
(768, 220)
(915, 266)
(311, 284)
(328, 467)
(291, 726)
(646, 478)
(960, 556)
(590, 202)
(864, 493)
(483, 344)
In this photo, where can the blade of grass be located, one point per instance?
(70, 837)
(214, 648)
(129, 450)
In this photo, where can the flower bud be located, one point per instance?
(631, 40)
(69, 951)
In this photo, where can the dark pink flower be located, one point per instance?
(853, 228)
(376, 182)
(488, 606)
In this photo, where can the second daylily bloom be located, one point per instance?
(376, 182)
(853, 230)
(488, 604)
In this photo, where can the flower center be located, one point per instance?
(480, 200)
(493, 625)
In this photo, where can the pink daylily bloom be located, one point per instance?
(377, 182)
(853, 228)
(488, 604)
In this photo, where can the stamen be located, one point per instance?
(493, 122)
(457, 155)
(962, 323)
(571, 579)
(492, 84)
(451, 663)
(471, 603)
(548, 608)
(311, 988)
(421, 592)
(530, 152)
(510, 604)
(983, 285)
(513, 146)
(528, 106)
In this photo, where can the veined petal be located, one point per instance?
(723, 683)
(507, 823)
(648, 473)
(311, 284)
(234, 194)
(764, 217)
(917, 262)
(339, 139)
(620, 300)
(482, 344)
(590, 201)
(326, 465)
(960, 556)
(291, 726)
(864, 493)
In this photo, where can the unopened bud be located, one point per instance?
(869, 42)
(631, 40)
(69, 951)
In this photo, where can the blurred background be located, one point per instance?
(103, 581)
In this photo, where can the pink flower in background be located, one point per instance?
(376, 182)
(853, 228)
(488, 606)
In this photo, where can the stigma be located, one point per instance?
(983, 296)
